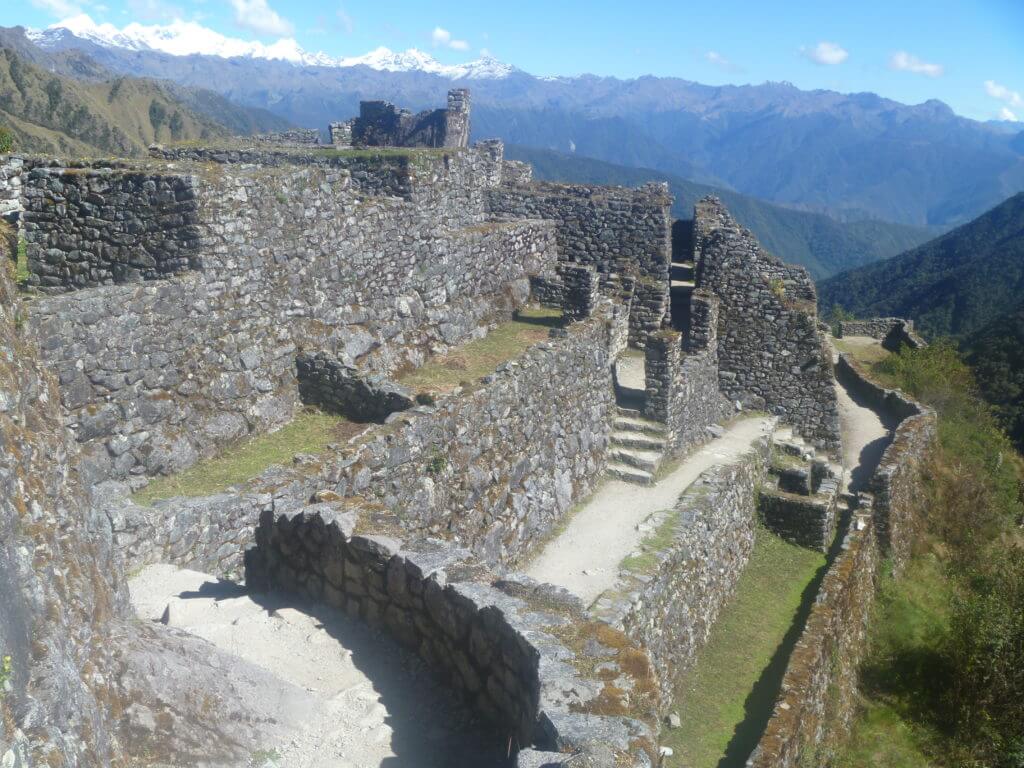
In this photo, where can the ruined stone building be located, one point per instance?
(180, 304)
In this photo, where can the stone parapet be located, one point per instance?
(510, 647)
(893, 332)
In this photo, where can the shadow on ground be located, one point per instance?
(430, 727)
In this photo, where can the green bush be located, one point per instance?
(6, 140)
(986, 655)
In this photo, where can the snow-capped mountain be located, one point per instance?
(185, 38)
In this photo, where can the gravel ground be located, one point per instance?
(355, 699)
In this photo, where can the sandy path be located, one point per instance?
(374, 704)
(865, 434)
(585, 557)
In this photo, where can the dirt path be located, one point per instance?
(373, 704)
(585, 557)
(865, 434)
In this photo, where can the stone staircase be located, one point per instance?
(790, 443)
(637, 447)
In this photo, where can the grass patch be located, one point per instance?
(910, 625)
(480, 357)
(21, 269)
(861, 351)
(309, 432)
(647, 561)
(727, 698)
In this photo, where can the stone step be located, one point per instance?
(630, 474)
(683, 284)
(635, 457)
(629, 413)
(643, 440)
(637, 424)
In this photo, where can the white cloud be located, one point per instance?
(442, 37)
(908, 62)
(485, 52)
(1001, 92)
(1006, 114)
(259, 17)
(722, 62)
(344, 20)
(826, 53)
(62, 9)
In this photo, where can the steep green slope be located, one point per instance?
(953, 285)
(120, 116)
(996, 354)
(821, 244)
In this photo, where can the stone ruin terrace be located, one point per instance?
(550, 543)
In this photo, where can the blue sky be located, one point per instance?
(968, 54)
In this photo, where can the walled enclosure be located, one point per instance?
(772, 353)
(893, 332)
(290, 257)
(626, 234)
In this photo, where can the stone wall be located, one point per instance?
(809, 521)
(893, 332)
(340, 388)
(382, 124)
(11, 169)
(505, 645)
(96, 226)
(668, 599)
(772, 352)
(156, 375)
(294, 137)
(818, 700)
(814, 712)
(493, 468)
(682, 390)
(621, 232)
(896, 482)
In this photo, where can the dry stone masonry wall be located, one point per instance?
(621, 232)
(893, 332)
(87, 227)
(772, 353)
(157, 374)
(668, 599)
(815, 709)
(492, 469)
(506, 645)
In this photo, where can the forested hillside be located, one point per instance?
(953, 285)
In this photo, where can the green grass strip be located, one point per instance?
(726, 699)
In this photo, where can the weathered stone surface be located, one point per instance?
(772, 353)
(626, 234)
(493, 647)
(893, 332)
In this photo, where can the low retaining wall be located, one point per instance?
(815, 709)
(512, 648)
(809, 521)
(343, 389)
(493, 469)
(818, 699)
(893, 332)
(668, 599)
(896, 482)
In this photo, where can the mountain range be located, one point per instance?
(853, 156)
(823, 245)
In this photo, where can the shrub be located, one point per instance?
(6, 140)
